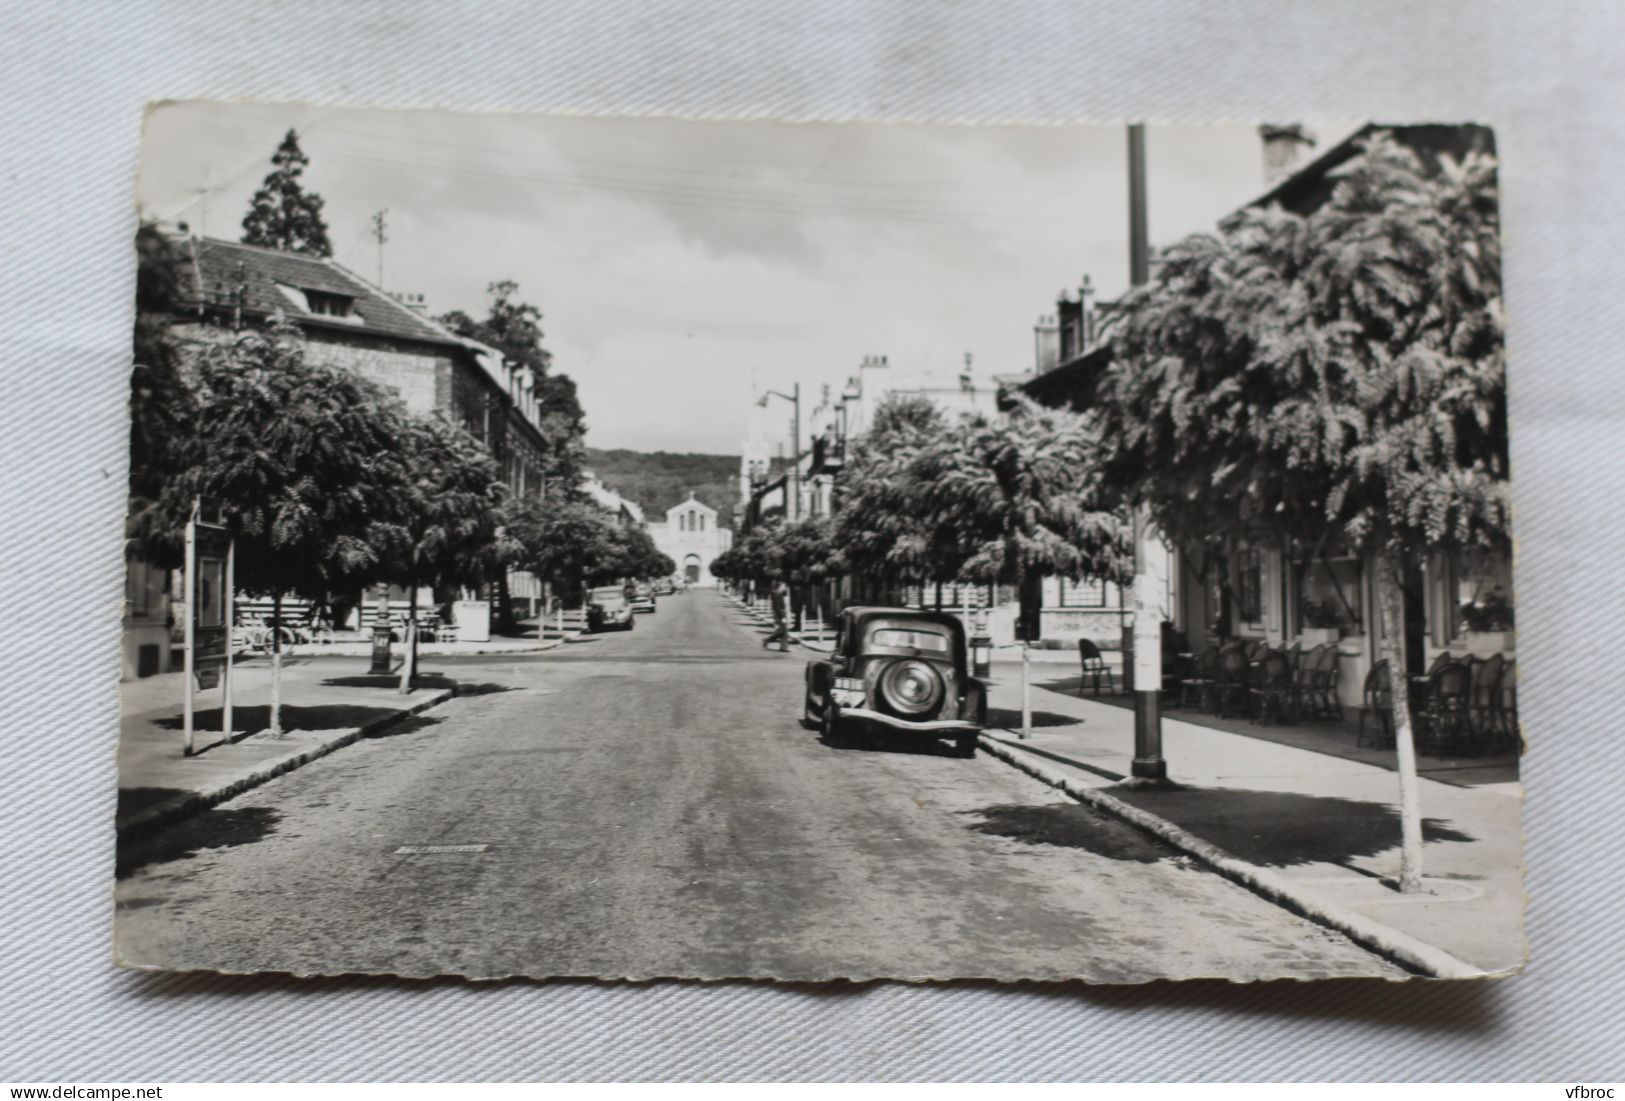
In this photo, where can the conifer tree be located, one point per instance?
(282, 214)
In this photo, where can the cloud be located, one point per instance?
(680, 264)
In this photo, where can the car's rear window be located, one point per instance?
(915, 640)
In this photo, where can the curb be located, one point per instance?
(1398, 948)
(343, 650)
(182, 806)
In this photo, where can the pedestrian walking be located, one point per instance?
(781, 619)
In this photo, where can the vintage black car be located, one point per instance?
(896, 669)
(609, 608)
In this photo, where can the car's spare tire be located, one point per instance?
(911, 689)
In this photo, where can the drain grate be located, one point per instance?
(414, 850)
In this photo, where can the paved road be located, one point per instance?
(651, 808)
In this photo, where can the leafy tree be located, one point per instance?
(807, 556)
(514, 328)
(753, 560)
(884, 524)
(1331, 377)
(306, 463)
(447, 523)
(163, 406)
(1020, 500)
(282, 214)
(570, 542)
(633, 554)
(564, 428)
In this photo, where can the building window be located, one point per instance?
(144, 587)
(702, 522)
(1088, 593)
(327, 304)
(1329, 595)
(1250, 590)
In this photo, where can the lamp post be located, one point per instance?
(792, 509)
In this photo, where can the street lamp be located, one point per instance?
(793, 505)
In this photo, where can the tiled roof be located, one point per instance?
(224, 266)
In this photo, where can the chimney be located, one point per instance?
(1284, 146)
(1046, 343)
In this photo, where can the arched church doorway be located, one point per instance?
(691, 569)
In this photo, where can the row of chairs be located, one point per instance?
(1251, 679)
(1462, 706)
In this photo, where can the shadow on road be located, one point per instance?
(131, 800)
(484, 688)
(433, 682)
(387, 680)
(1072, 826)
(882, 742)
(221, 828)
(1279, 829)
(338, 716)
(410, 725)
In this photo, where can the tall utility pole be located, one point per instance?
(378, 233)
(1148, 761)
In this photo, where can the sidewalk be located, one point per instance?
(327, 703)
(1324, 827)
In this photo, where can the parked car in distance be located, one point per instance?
(896, 670)
(667, 587)
(608, 609)
(643, 598)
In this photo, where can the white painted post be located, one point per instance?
(408, 664)
(1026, 694)
(190, 591)
(1391, 608)
(231, 621)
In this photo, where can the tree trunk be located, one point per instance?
(276, 665)
(1026, 693)
(1393, 651)
(409, 667)
(504, 603)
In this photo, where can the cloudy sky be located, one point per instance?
(683, 267)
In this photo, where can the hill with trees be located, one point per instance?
(657, 480)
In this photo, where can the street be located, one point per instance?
(645, 805)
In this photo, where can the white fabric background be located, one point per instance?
(76, 75)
